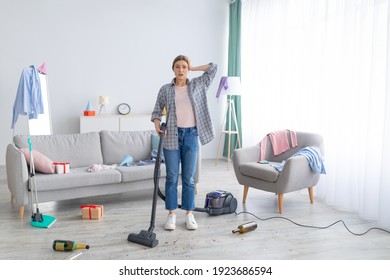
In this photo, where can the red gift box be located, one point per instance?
(91, 211)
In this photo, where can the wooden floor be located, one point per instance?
(274, 239)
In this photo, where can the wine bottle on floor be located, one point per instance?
(67, 245)
(245, 227)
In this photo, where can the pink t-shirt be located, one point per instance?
(279, 141)
(184, 113)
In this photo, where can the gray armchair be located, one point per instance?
(296, 173)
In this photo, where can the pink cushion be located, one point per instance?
(41, 162)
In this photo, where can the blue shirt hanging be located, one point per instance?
(28, 99)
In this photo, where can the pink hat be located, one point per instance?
(42, 69)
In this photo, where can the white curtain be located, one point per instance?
(324, 66)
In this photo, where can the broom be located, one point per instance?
(37, 218)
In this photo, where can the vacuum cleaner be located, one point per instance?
(148, 237)
(220, 202)
(216, 203)
(37, 218)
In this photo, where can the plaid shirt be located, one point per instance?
(197, 89)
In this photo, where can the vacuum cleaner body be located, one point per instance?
(220, 202)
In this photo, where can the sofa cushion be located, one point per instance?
(117, 144)
(136, 173)
(260, 171)
(79, 150)
(76, 178)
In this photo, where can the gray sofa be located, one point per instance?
(82, 150)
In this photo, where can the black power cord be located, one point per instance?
(315, 227)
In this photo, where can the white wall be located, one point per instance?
(120, 48)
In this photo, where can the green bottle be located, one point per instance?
(67, 245)
(245, 227)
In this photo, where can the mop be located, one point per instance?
(37, 218)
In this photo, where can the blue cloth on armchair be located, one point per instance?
(313, 156)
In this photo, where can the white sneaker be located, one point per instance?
(171, 222)
(190, 222)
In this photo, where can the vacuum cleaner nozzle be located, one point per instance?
(145, 237)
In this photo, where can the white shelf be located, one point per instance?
(115, 123)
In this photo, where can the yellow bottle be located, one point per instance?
(67, 245)
(245, 227)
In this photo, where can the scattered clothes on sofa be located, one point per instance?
(279, 142)
(313, 156)
(153, 155)
(141, 163)
(145, 162)
(98, 167)
(127, 160)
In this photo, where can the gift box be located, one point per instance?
(62, 167)
(89, 113)
(91, 211)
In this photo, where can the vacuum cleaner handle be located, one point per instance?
(156, 177)
(148, 237)
(157, 166)
(163, 127)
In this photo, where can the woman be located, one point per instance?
(188, 122)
